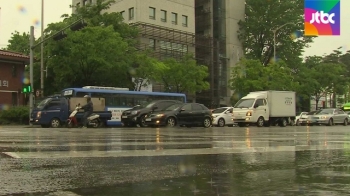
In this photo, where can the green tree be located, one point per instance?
(145, 70)
(251, 75)
(19, 43)
(91, 56)
(261, 17)
(183, 76)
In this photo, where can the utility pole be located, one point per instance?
(42, 50)
(31, 101)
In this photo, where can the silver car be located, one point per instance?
(329, 116)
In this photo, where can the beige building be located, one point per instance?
(207, 28)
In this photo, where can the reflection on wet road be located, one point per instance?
(186, 161)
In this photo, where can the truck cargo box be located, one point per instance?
(281, 103)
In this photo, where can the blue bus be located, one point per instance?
(120, 99)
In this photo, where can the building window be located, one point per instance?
(14, 71)
(123, 14)
(131, 13)
(152, 13)
(163, 15)
(184, 21)
(152, 43)
(84, 2)
(174, 18)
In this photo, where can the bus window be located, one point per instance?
(98, 95)
(127, 100)
(141, 99)
(81, 94)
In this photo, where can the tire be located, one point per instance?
(55, 123)
(171, 122)
(330, 122)
(221, 122)
(346, 122)
(142, 121)
(97, 123)
(207, 122)
(283, 122)
(260, 122)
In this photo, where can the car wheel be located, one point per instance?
(345, 122)
(221, 122)
(330, 122)
(171, 122)
(55, 123)
(260, 122)
(283, 122)
(207, 122)
(143, 121)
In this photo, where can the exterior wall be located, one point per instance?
(235, 11)
(10, 94)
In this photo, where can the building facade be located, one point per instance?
(217, 21)
(12, 67)
(206, 28)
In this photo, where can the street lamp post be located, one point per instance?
(42, 50)
(274, 38)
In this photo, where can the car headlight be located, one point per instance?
(160, 115)
(38, 115)
(214, 116)
(323, 117)
(134, 112)
(249, 113)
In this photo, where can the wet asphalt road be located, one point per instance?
(180, 161)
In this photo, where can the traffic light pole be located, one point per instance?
(31, 97)
(32, 47)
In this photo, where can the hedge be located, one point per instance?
(15, 115)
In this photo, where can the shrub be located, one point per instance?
(15, 115)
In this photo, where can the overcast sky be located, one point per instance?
(21, 14)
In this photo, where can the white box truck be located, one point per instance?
(265, 108)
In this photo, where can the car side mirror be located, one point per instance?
(256, 105)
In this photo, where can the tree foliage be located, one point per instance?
(251, 75)
(256, 35)
(183, 76)
(19, 43)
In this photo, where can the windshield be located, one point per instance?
(172, 107)
(219, 110)
(245, 103)
(325, 111)
(42, 104)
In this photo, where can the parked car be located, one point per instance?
(136, 115)
(189, 114)
(222, 116)
(329, 116)
(301, 119)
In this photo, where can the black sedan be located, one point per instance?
(188, 114)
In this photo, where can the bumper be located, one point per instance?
(129, 119)
(155, 121)
(319, 121)
(245, 119)
(34, 121)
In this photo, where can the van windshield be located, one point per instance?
(43, 103)
(245, 103)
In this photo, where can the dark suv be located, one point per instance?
(137, 114)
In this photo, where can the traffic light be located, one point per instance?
(27, 88)
(60, 35)
(77, 26)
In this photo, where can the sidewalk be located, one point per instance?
(20, 126)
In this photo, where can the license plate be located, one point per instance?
(124, 116)
(148, 119)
